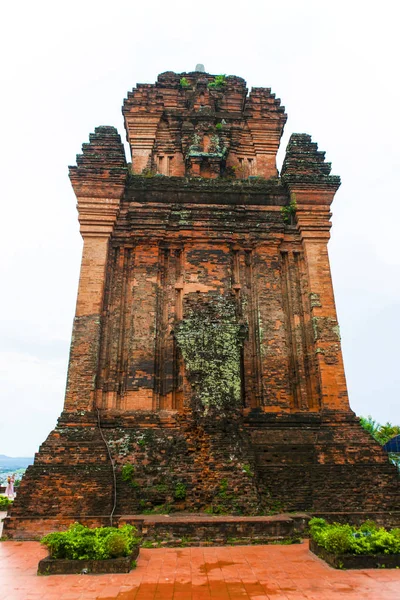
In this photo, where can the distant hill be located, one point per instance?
(9, 463)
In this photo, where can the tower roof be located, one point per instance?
(203, 124)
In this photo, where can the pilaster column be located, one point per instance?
(98, 182)
(312, 190)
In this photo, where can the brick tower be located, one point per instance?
(205, 345)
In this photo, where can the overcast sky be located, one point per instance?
(66, 68)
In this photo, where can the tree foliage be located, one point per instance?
(382, 434)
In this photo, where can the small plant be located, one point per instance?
(216, 509)
(218, 83)
(219, 509)
(232, 541)
(223, 488)
(180, 491)
(289, 211)
(185, 541)
(160, 509)
(5, 503)
(185, 83)
(218, 126)
(127, 472)
(229, 173)
(161, 488)
(246, 469)
(295, 539)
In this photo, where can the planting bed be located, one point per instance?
(356, 561)
(61, 566)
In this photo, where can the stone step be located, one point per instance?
(208, 530)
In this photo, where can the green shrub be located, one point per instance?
(5, 502)
(316, 527)
(184, 82)
(379, 541)
(316, 523)
(218, 126)
(289, 211)
(345, 539)
(338, 539)
(81, 543)
(396, 532)
(218, 83)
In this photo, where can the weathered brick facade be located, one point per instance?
(206, 348)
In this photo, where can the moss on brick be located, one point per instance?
(210, 339)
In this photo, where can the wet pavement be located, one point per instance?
(226, 573)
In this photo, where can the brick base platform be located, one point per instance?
(257, 464)
(202, 530)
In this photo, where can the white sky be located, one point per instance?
(66, 68)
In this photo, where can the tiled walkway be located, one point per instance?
(241, 572)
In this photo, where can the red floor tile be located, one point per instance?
(227, 573)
